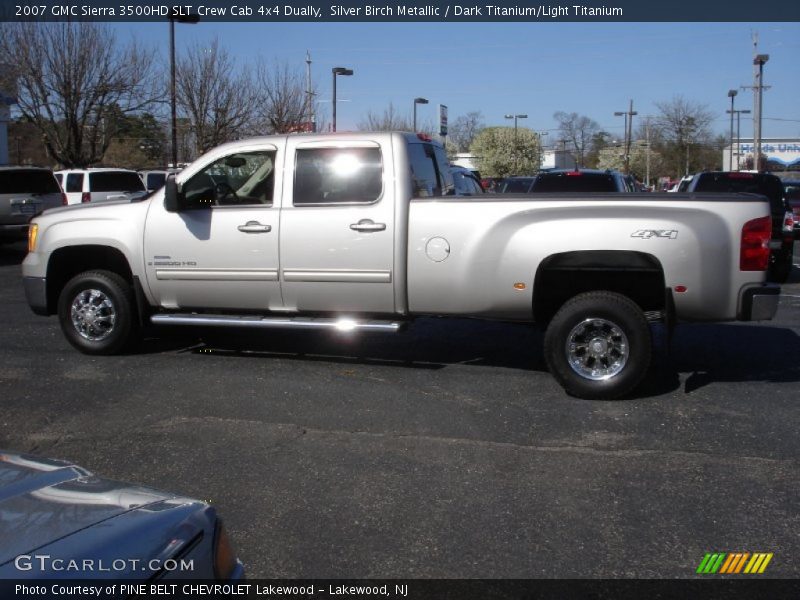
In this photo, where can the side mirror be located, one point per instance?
(172, 196)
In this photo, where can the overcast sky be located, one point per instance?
(534, 68)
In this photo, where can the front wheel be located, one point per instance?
(598, 345)
(97, 313)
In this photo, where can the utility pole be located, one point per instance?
(647, 150)
(309, 111)
(758, 87)
(628, 114)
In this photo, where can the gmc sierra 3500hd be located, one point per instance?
(359, 231)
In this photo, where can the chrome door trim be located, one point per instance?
(217, 274)
(336, 275)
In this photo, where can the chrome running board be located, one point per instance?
(342, 324)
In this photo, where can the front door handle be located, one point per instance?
(367, 225)
(254, 227)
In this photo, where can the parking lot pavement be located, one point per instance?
(445, 451)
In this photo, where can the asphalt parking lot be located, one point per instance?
(445, 451)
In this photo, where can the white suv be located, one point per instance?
(96, 185)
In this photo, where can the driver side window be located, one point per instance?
(240, 179)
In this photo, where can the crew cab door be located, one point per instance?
(221, 249)
(338, 228)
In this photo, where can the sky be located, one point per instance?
(593, 69)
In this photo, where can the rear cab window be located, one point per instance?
(430, 173)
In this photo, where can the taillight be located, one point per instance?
(788, 222)
(86, 197)
(573, 173)
(754, 251)
(64, 200)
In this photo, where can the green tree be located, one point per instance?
(612, 157)
(501, 153)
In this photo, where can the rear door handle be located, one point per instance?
(367, 225)
(254, 227)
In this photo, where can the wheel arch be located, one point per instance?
(68, 261)
(636, 275)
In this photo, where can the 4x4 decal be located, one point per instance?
(646, 234)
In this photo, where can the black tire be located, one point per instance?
(607, 337)
(104, 321)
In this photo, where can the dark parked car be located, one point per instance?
(765, 184)
(24, 193)
(579, 181)
(58, 521)
(791, 193)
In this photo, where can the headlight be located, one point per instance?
(33, 233)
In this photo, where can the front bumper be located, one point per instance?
(36, 294)
(760, 303)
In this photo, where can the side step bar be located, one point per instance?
(342, 324)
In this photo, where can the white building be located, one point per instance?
(781, 154)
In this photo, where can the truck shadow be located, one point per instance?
(709, 353)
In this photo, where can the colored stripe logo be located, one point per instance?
(729, 563)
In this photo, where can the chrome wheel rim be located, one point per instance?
(93, 315)
(597, 349)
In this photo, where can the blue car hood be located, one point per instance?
(44, 500)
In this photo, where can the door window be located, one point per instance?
(326, 176)
(241, 179)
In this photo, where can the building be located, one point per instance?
(781, 154)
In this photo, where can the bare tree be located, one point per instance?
(217, 98)
(71, 79)
(463, 130)
(389, 120)
(681, 125)
(282, 100)
(578, 132)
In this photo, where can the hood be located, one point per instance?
(104, 210)
(43, 500)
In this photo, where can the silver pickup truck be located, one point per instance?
(360, 231)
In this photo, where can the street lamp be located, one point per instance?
(515, 117)
(190, 19)
(731, 95)
(759, 61)
(628, 114)
(338, 71)
(417, 101)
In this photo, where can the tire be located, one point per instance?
(598, 346)
(97, 313)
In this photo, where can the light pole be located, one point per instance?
(338, 71)
(190, 19)
(628, 114)
(515, 117)
(739, 114)
(417, 101)
(759, 61)
(731, 95)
